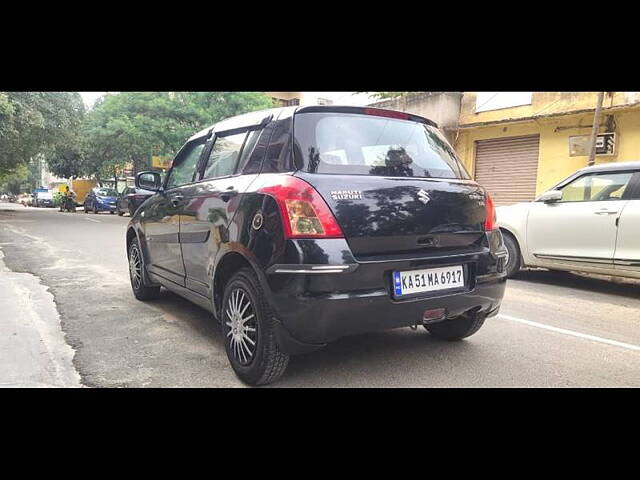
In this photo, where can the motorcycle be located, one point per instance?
(68, 204)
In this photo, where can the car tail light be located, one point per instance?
(304, 212)
(491, 221)
(386, 113)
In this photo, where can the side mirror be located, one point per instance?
(551, 196)
(151, 181)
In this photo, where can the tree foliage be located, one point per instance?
(120, 129)
(11, 181)
(33, 123)
(387, 95)
(130, 127)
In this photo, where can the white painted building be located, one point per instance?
(320, 98)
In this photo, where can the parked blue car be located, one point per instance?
(101, 200)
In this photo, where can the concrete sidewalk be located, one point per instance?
(33, 351)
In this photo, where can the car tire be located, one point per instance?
(120, 212)
(95, 210)
(137, 274)
(263, 362)
(456, 328)
(112, 212)
(514, 259)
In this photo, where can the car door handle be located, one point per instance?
(605, 212)
(176, 200)
(228, 194)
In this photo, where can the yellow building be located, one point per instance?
(520, 144)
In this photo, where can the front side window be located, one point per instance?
(224, 156)
(596, 187)
(185, 166)
(355, 144)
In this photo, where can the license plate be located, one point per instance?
(428, 280)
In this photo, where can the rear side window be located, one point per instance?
(249, 147)
(354, 144)
(224, 156)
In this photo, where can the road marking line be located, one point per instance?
(92, 220)
(572, 333)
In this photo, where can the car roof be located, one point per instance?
(614, 166)
(261, 117)
(246, 120)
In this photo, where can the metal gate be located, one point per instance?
(507, 168)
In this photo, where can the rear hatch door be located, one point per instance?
(391, 179)
(403, 215)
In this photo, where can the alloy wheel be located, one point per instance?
(242, 327)
(135, 267)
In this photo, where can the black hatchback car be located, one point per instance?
(301, 225)
(130, 199)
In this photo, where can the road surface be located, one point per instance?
(554, 330)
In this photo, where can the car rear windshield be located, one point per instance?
(106, 192)
(357, 144)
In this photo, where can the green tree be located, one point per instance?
(386, 95)
(130, 127)
(33, 123)
(12, 181)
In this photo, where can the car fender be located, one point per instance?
(247, 255)
(241, 238)
(513, 219)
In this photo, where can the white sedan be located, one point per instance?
(589, 222)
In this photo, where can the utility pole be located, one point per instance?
(594, 131)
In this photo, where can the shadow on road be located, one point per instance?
(7, 212)
(176, 309)
(398, 357)
(339, 363)
(599, 284)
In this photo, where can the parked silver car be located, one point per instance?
(589, 222)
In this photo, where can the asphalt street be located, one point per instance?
(555, 329)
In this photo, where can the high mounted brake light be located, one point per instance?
(386, 113)
(304, 212)
(491, 221)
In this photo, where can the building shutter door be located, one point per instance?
(507, 168)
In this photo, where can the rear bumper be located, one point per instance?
(315, 308)
(324, 318)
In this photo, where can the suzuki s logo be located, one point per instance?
(423, 196)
